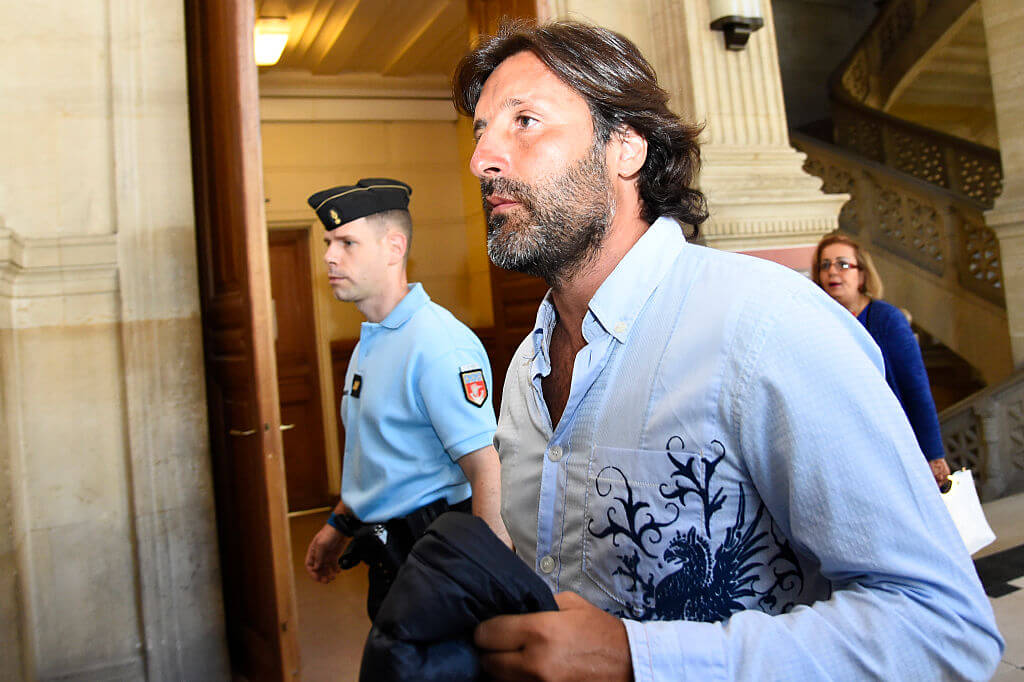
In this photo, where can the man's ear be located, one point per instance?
(631, 151)
(397, 244)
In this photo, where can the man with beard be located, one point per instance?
(699, 452)
(416, 406)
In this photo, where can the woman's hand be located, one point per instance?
(940, 470)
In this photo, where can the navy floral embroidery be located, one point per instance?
(631, 509)
(705, 583)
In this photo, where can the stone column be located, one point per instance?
(760, 198)
(166, 433)
(1004, 24)
(108, 556)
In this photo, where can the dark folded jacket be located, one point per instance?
(457, 575)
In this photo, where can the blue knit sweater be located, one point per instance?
(905, 373)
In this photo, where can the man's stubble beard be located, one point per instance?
(560, 223)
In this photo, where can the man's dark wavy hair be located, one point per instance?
(620, 88)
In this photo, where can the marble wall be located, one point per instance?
(108, 558)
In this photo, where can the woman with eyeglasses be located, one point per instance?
(845, 271)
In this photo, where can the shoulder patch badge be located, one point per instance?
(357, 385)
(474, 386)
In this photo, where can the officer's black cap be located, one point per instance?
(340, 205)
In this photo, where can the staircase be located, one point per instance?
(986, 433)
(912, 120)
(948, 55)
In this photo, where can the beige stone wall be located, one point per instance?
(631, 18)
(970, 325)
(302, 157)
(108, 563)
(10, 631)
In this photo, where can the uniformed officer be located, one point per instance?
(416, 403)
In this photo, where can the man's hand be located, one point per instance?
(940, 470)
(579, 642)
(323, 554)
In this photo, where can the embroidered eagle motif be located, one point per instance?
(704, 584)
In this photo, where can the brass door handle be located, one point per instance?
(236, 432)
(287, 427)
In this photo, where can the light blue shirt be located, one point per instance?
(733, 478)
(411, 408)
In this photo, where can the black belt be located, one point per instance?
(385, 544)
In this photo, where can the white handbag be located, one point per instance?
(962, 502)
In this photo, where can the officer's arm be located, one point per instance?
(341, 509)
(483, 470)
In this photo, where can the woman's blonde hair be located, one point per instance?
(872, 282)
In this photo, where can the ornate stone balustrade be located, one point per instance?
(866, 79)
(935, 230)
(933, 246)
(985, 433)
(943, 237)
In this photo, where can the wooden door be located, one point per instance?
(245, 437)
(298, 371)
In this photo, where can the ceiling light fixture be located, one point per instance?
(270, 35)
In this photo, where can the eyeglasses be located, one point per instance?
(841, 263)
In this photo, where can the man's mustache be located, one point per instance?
(507, 188)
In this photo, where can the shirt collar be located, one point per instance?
(625, 291)
(543, 327)
(415, 299)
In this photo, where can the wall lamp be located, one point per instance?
(737, 19)
(270, 35)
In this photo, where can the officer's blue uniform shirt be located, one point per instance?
(412, 406)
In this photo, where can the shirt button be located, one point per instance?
(547, 564)
(555, 453)
(620, 327)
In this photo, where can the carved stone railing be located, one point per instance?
(934, 229)
(985, 433)
(862, 84)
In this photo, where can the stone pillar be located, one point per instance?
(1004, 25)
(108, 557)
(760, 198)
(168, 457)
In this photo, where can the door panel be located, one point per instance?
(245, 439)
(298, 371)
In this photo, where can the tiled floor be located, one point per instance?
(333, 623)
(1001, 567)
(1010, 615)
(332, 618)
